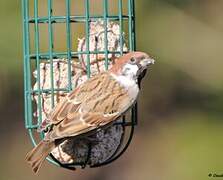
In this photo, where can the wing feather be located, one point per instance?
(95, 103)
(80, 125)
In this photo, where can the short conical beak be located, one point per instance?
(144, 65)
(146, 62)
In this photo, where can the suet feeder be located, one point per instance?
(51, 72)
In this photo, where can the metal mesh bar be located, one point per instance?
(46, 56)
(37, 61)
(135, 115)
(87, 31)
(131, 48)
(106, 32)
(68, 33)
(133, 24)
(28, 65)
(133, 45)
(75, 19)
(24, 62)
(50, 32)
(120, 25)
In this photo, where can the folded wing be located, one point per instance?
(97, 102)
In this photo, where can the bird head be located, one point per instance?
(133, 65)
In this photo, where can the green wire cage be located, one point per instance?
(40, 47)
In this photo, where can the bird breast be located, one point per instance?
(129, 84)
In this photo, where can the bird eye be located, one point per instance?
(132, 60)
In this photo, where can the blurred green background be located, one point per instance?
(179, 135)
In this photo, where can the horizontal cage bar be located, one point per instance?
(58, 55)
(73, 19)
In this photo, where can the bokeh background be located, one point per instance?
(179, 135)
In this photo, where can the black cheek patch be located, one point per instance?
(141, 76)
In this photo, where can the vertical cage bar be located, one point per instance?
(106, 33)
(39, 105)
(28, 66)
(120, 13)
(135, 114)
(120, 25)
(87, 30)
(50, 32)
(24, 62)
(130, 25)
(132, 47)
(68, 34)
(133, 25)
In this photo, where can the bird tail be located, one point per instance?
(38, 154)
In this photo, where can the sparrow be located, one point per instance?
(95, 104)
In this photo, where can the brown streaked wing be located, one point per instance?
(77, 96)
(62, 105)
(78, 125)
(62, 109)
(98, 106)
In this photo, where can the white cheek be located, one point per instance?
(130, 69)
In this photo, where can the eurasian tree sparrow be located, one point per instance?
(98, 102)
